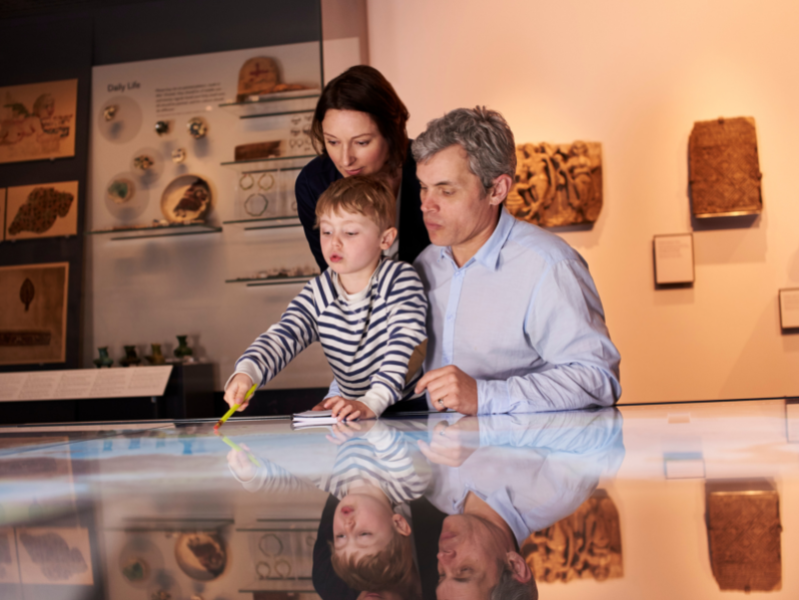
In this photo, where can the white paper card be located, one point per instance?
(789, 308)
(674, 259)
(84, 383)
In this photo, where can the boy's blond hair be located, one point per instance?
(362, 194)
(392, 568)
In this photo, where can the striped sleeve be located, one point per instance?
(406, 316)
(278, 345)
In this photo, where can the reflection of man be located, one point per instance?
(515, 321)
(500, 479)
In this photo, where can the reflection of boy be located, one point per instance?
(368, 313)
(374, 477)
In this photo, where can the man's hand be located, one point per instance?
(449, 387)
(451, 445)
(237, 389)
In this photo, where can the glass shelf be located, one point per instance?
(263, 165)
(266, 222)
(177, 525)
(262, 281)
(155, 231)
(282, 103)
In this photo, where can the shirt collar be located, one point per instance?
(488, 254)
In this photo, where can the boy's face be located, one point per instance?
(363, 526)
(352, 245)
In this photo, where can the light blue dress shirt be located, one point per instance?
(524, 319)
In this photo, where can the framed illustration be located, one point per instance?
(33, 313)
(37, 121)
(38, 211)
(789, 308)
(674, 258)
(54, 555)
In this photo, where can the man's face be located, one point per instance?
(362, 526)
(457, 211)
(470, 555)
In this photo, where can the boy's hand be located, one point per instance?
(451, 445)
(238, 388)
(240, 463)
(347, 409)
(348, 430)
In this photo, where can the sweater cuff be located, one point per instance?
(377, 398)
(249, 370)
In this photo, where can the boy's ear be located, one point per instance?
(401, 525)
(388, 237)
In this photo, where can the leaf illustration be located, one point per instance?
(26, 293)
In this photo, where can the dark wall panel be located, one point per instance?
(35, 52)
(183, 27)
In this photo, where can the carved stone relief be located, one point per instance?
(557, 184)
(586, 544)
(724, 168)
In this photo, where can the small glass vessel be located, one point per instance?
(183, 351)
(131, 358)
(104, 360)
(156, 358)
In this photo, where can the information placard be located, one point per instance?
(674, 258)
(789, 308)
(80, 384)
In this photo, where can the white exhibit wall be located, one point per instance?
(635, 76)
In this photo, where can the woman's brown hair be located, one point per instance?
(364, 89)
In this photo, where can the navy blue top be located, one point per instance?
(317, 176)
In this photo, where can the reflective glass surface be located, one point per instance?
(662, 501)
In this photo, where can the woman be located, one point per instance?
(359, 128)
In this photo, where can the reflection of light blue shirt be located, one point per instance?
(533, 470)
(523, 318)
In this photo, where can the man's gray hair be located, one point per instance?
(508, 588)
(483, 134)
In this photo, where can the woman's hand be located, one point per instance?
(237, 389)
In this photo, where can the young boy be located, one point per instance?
(378, 470)
(369, 313)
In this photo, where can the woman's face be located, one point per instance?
(354, 142)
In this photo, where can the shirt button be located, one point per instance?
(450, 317)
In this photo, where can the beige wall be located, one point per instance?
(635, 76)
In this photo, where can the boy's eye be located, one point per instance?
(365, 533)
(352, 233)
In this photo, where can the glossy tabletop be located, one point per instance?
(690, 500)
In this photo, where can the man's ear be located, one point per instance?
(388, 237)
(518, 566)
(401, 525)
(501, 189)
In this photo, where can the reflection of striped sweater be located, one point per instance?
(368, 337)
(384, 457)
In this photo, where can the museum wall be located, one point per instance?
(636, 76)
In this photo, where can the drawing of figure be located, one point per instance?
(535, 183)
(21, 124)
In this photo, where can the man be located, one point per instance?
(515, 321)
(501, 478)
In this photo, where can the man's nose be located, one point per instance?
(427, 203)
(445, 557)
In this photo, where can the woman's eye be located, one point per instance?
(331, 142)
(363, 143)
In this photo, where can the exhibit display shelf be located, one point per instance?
(263, 281)
(155, 231)
(279, 104)
(262, 165)
(266, 222)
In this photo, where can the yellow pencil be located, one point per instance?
(235, 407)
(238, 448)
